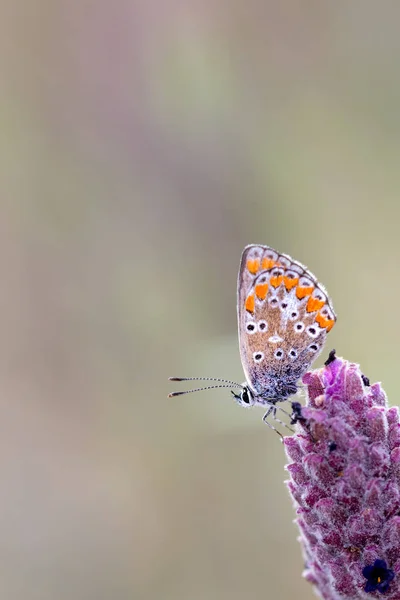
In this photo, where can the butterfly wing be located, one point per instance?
(284, 316)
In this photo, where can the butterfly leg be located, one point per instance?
(285, 412)
(265, 417)
(274, 408)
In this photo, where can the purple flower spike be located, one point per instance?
(345, 484)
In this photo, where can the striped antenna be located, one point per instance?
(224, 383)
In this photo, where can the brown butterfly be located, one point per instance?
(284, 316)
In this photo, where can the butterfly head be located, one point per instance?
(246, 397)
(277, 390)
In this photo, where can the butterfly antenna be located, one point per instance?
(224, 383)
(205, 379)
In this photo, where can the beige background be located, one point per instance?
(143, 145)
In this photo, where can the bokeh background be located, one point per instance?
(143, 145)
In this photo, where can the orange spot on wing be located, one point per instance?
(276, 281)
(302, 292)
(325, 323)
(290, 283)
(267, 263)
(253, 264)
(261, 290)
(249, 304)
(314, 304)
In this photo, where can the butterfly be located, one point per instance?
(284, 315)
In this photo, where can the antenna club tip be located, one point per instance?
(175, 379)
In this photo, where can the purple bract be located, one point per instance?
(345, 484)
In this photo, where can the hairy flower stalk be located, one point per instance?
(345, 484)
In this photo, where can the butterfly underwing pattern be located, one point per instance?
(284, 316)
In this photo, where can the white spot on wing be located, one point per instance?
(262, 326)
(258, 356)
(275, 339)
(251, 327)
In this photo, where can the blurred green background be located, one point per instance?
(143, 145)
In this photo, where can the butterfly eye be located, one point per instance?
(299, 327)
(262, 326)
(258, 356)
(279, 354)
(245, 397)
(251, 328)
